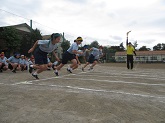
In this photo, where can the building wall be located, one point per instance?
(145, 58)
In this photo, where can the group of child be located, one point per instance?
(41, 62)
(15, 62)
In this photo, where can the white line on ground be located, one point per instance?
(97, 75)
(88, 89)
(95, 90)
(116, 81)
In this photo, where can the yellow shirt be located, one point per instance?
(130, 50)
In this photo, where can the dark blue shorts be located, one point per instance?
(40, 57)
(91, 59)
(67, 57)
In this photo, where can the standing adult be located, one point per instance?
(130, 52)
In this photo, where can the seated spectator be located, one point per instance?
(26, 62)
(3, 63)
(13, 62)
(22, 63)
(31, 61)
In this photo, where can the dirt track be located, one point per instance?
(108, 94)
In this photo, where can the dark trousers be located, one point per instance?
(130, 61)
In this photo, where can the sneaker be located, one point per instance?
(30, 69)
(35, 76)
(90, 68)
(56, 73)
(82, 69)
(69, 70)
(14, 71)
(22, 68)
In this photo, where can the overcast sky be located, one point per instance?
(106, 21)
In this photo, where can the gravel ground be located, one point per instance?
(108, 94)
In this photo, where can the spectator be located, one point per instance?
(13, 62)
(3, 63)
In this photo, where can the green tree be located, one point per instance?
(135, 44)
(144, 48)
(158, 47)
(65, 45)
(163, 46)
(28, 40)
(121, 47)
(12, 39)
(36, 35)
(94, 44)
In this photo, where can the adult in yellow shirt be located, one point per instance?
(130, 52)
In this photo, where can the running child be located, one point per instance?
(40, 54)
(70, 55)
(94, 57)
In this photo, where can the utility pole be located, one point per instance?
(31, 24)
(63, 36)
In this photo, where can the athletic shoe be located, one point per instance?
(14, 71)
(69, 70)
(56, 73)
(30, 69)
(35, 76)
(90, 68)
(53, 66)
(22, 68)
(82, 69)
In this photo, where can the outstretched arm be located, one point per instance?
(134, 53)
(127, 38)
(56, 56)
(127, 41)
(34, 46)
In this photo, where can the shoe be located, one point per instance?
(90, 68)
(14, 71)
(69, 70)
(1, 71)
(82, 69)
(30, 69)
(22, 68)
(56, 73)
(35, 76)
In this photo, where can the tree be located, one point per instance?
(65, 45)
(144, 48)
(36, 35)
(12, 39)
(121, 47)
(158, 47)
(94, 44)
(163, 46)
(135, 44)
(28, 40)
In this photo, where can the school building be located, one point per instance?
(143, 56)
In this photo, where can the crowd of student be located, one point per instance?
(15, 63)
(19, 62)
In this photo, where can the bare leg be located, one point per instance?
(94, 63)
(74, 64)
(86, 64)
